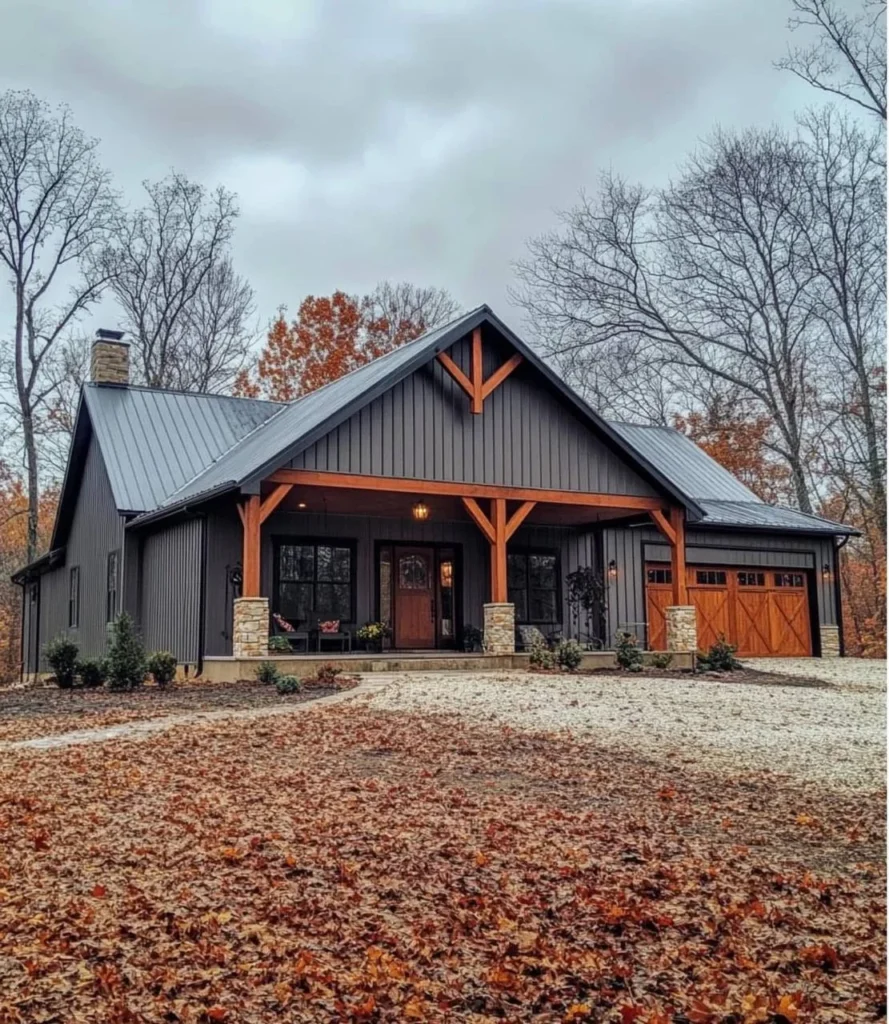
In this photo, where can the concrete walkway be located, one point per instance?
(144, 728)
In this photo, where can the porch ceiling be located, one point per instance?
(383, 504)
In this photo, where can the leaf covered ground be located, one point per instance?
(348, 864)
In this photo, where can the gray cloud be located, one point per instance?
(421, 139)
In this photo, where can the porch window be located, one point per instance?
(533, 586)
(74, 597)
(315, 581)
(111, 589)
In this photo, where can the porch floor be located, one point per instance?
(228, 670)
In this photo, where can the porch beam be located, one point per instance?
(480, 519)
(456, 489)
(677, 557)
(498, 551)
(273, 501)
(518, 517)
(663, 524)
(499, 375)
(250, 562)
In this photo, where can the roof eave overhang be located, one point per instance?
(182, 507)
(840, 531)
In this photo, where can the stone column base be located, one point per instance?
(830, 641)
(499, 628)
(682, 628)
(250, 631)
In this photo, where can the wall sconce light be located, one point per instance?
(420, 511)
(302, 504)
(825, 571)
(612, 570)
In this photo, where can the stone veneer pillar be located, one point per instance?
(500, 628)
(830, 641)
(250, 632)
(682, 628)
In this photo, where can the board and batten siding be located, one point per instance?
(631, 548)
(96, 529)
(422, 428)
(171, 590)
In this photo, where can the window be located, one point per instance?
(711, 577)
(111, 589)
(659, 575)
(413, 573)
(788, 579)
(751, 579)
(533, 586)
(315, 581)
(74, 597)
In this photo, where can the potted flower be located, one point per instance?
(372, 635)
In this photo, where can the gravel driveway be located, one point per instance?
(835, 735)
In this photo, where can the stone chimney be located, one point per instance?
(110, 359)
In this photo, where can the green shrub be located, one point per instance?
(126, 655)
(662, 660)
(92, 671)
(266, 672)
(279, 644)
(720, 658)
(569, 654)
(628, 652)
(288, 684)
(542, 656)
(162, 666)
(61, 655)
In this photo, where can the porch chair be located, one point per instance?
(324, 633)
(293, 634)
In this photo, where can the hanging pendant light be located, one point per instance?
(420, 511)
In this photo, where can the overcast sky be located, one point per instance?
(421, 140)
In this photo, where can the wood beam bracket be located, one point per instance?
(475, 386)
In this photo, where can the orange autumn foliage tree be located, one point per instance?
(739, 444)
(13, 555)
(330, 336)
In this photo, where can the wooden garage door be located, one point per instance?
(762, 612)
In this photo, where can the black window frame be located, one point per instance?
(715, 582)
(655, 576)
(527, 554)
(316, 542)
(74, 597)
(112, 594)
(744, 578)
(793, 585)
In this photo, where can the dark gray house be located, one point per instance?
(454, 482)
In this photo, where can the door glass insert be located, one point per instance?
(446, 590)
(413, 572)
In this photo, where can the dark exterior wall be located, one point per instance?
(96, 529)
(224, 549)
(171, 590)
(30, 626)
(423, 428)
(626, 594)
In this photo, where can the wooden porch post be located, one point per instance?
(250, 518)
(677, 557)
(498, 551)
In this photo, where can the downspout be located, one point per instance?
(202, 597)
(838, 592)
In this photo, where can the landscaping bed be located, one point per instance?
(46, 711)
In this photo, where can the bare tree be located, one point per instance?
(56, 209)
(708, 273)
(843, 230)
(406, 308)
(848, 56)
(185, 308)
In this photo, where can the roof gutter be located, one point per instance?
(179, 507)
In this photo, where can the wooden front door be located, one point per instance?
(414, 597)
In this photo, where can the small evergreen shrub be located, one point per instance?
(628, 652)
(267, 673)
(720, 658)
(286, 685)
(569, 654)
(541, 656)
(61, 655)
(661, 660)
(326, 674)
(92, 671)
(126, 655)
(162, 666)
(279, 644)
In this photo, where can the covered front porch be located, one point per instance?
(448, 568)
